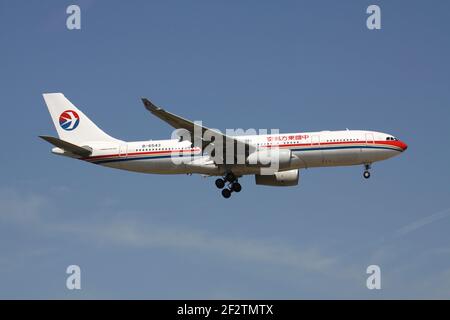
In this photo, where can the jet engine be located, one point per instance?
(279, 179)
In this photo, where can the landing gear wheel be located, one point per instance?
(226, 193)
(220, 183)
(366, 174)
(236, 187)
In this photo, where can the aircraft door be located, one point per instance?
(369, 138)
(315, 141)
(123, 150)
(368, 154)
(317, 154)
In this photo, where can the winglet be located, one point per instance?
(150, 106)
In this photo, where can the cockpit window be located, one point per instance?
(391, 139)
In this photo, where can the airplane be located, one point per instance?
(80, 138)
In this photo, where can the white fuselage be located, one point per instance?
(309, 149)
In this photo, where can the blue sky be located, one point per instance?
(292, 65)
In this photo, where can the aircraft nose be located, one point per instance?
(403, 145)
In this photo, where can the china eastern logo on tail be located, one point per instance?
(69, 120)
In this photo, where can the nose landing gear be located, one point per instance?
(233, 185)
(366, 173)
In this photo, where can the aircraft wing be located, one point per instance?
(181, 123)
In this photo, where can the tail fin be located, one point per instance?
(71, 123)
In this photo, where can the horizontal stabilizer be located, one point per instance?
(67, 146)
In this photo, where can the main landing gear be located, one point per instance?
(232, 185)
(366, 173)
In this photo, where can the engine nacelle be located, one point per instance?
(279, 179)
(274, 158)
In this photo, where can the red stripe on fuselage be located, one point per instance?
(398, 144)
(139, 153)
